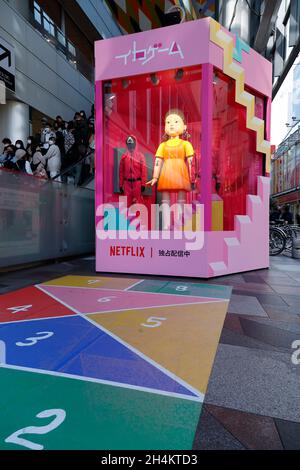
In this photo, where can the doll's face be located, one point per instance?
(174, 125)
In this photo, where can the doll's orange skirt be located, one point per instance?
(174, 176)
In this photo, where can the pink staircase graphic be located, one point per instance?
(247, 246)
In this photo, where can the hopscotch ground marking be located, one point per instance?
(58, 300)
(134, 291)
(198, 398)
(135, 284)
(147, 358)
(152, 306)
(38, 319)
(2, 353)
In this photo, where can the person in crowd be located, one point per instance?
(92, 116)
(53, 158)
(46, 134)
(22, 161)
(19, 144)
(286, 215)
(275, 213)
(5, 142)
(59, 123)
(38, 164)
(83, 115)
(8, 159)
(91, 145)
(30, 146)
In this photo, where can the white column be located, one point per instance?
(14, 121)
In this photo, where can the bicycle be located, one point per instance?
(277, 241)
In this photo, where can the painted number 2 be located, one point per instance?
(153, 322)
(34, 339)
(60, 416)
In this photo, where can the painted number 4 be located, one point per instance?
(20, 308)
(59, 417)
(153, 322)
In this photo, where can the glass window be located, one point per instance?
(142, 144)
(235, 161)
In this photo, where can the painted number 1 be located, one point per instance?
(153, 322)
(60, 416)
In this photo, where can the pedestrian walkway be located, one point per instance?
(116, 363)
(253, 394)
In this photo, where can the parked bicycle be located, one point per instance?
(281, 236)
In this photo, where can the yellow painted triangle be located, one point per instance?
(93, 282)
(182, 339)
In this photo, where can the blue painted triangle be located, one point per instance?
(108, 359)
(76, 346)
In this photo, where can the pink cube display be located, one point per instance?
(182, 152)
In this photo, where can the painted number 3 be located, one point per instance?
(34, 339)
(60, 416)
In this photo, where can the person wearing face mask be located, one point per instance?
(20, 149)
(38, 163)
(46, 134)
(10, 159)
(5, 142)
(30, 145)
(53, 158)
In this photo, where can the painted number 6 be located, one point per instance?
(106, 299)
(60, 416)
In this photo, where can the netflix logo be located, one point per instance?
(138, 251)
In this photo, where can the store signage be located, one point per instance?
(7, 64)
(149, 53)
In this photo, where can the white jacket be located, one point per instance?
(53, 158)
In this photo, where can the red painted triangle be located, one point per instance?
(30, 303)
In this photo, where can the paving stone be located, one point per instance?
(290, 434)
(255, 432)
(232, 322)
(236, 339)
(288, 314)
(211, 435)
(245, 305)
(255, 381)
(276, 333)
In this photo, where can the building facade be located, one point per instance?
(50, 46)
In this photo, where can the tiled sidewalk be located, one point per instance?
(253, 400)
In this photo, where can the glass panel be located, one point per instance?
(31, 233)
(235, 162)
(137, 106)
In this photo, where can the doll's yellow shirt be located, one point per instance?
(188, 148)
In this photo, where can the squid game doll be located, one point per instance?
(132, 172)
(173, 167)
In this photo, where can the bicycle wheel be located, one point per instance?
(277, 241)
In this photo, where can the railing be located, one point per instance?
(42, 219)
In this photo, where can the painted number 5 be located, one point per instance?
(34, 339)
(60, 416)
(153, 322)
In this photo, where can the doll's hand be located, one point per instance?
(193, 186)
(151, 182)
(121, 190)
